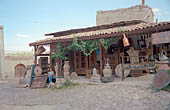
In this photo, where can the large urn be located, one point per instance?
(66, 69)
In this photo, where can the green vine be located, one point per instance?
(86, 47)
(61, 53)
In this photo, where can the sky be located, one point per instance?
(26, 21)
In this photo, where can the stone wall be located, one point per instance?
(139, 12)
(12, 61)
(1, 53)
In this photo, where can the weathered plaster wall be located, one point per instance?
(1, 53)
(12, 61)
(139, 12)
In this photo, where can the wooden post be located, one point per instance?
(119, 58)
(147, 56)
(87, 67)
(103, 56)
(95, 60)
(50, 56)
(35, 56)
(86, 60)
(75, 63)
(56, 60)
(123, 66)
(100, 56)
(80, 58)
(90, 60)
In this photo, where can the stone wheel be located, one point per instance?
(118, 71)
(161, 80)
(38, 71)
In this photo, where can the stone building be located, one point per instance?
(1, 52)
(139, 12)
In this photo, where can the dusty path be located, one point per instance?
(113, 96)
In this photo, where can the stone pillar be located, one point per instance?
(1, 53)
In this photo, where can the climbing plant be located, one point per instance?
(61, 53)
(86, 47)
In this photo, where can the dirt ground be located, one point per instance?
(131, 94)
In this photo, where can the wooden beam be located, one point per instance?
(50, 56)
(44, 55)
(35, 56)
(100, 56)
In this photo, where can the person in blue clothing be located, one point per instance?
(50, 76)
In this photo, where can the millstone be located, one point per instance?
(118, 71)
(161, 80)
(38, 71)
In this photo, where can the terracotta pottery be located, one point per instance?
(66, 69)
(66, 66)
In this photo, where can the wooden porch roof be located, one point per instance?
(105, 31)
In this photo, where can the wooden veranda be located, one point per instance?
(83, 64)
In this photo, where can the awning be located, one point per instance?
(161, 38)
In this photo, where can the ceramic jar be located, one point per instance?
(66, 69)
(66, 66)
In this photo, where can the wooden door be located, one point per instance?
(82, 62)
(20, 71)
(79, 62)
